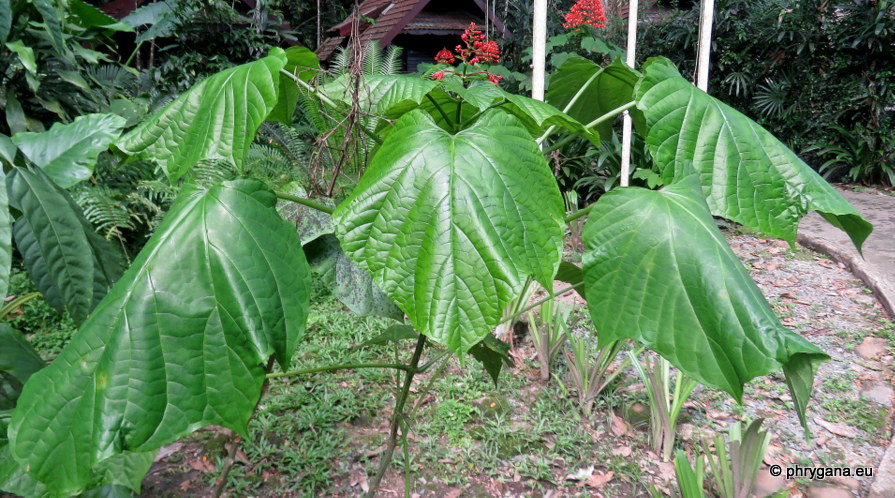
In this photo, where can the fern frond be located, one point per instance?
(340, 61)
(212, 172)
(391, 61)
(103, 208)
(372, 57)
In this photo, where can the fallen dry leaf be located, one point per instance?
(837, 428)
(359, 478)
(624, 451)
(599, 480)
(167, 451)
(666, 471)
(202, 465)
(619, 426)
(242, 457)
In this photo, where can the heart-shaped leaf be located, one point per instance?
(658, 270)
(163, 355)
(68, 152)
(747, 175)
(450, 225)
(216, 119)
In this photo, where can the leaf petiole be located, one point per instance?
(303, 201)
(440, 110)
(609, 115)
(578, 214)
(349, 366)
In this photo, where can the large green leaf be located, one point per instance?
(64, 246)
(348, 283)
(68, 152)
(88, 16)
(537, 116)
(18, 361)
(117, 477)
(5, 19)
(164, 355)
(50, 237)
(747, 175)
(216, 119)
(52, 23)
(534, 114)
(13, 478)
(8, 151)
(302, 64)
(450, 225)
(658, 270)
(598, 90)
(388, 96)
(25, 53)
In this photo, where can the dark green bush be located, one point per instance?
(816, 73)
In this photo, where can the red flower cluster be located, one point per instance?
(477, 50)
(445, 56)
(586, 12)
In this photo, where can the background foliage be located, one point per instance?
(818, 74)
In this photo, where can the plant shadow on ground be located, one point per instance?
(323, 433)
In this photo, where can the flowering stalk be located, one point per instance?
(474, 50)
(586, 13)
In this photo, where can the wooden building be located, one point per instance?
(420, 27)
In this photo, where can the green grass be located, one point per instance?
(300, 429)
(46, 329)
(860, 413)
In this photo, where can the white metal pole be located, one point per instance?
(627, 128)
(538, 53)
(703, 53)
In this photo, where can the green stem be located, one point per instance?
(479, 114)
(371, 134)
(540, 302)
(426, 366)
(304, 84)
(568, 106)
(421, 395)
(16, 303)
(609, 115)
(408, 483)
(444, 115)
(578, 214)
(350, 366)
(397, 417)
(303, 201)
(127, 63)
